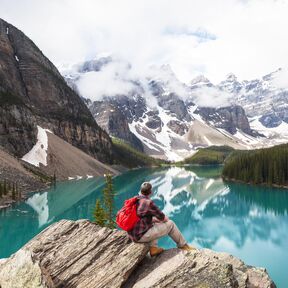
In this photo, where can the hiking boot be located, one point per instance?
(154, 251)
(187, 247)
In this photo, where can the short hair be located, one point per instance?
(146, 188)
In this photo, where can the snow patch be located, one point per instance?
(16, 57)
(89, 176)
(38, 154)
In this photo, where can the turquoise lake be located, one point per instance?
(250, 222)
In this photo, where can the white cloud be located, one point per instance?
(113, 79)
(210, 97)
(210, 37)
(281, 79)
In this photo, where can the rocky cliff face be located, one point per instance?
(32, 92)
(81, 254)
(229, 118)
(265, 97)
(113, 120)
(161, 113)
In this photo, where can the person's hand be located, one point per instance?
(166, 219)
(155, 220)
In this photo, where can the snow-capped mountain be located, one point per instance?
(166, 118)
(265, 102)
(262, 98)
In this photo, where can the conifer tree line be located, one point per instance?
(262, 166)
(10, 188)
(103, 212)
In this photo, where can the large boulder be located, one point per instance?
(82, 254)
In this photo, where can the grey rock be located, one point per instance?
(175, 105)
(270, 120)
(74, 254)
(178, 127)
(154, 121)
(113, 120)
(202, 268)
(81, 254)
(229, 118)
(32, 92)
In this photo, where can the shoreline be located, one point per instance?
(233, 180)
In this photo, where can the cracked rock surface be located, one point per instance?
(82, 254)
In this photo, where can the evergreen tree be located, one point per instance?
(1, 190)
(103, 211)
(99, 214)
(262, 166)
(5, 187)
(9, 188)
(18, 192)
(13, 192)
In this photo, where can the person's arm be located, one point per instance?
(156, 212)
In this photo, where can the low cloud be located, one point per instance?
(280, 79)
(211, 97)
(113, 79)
(120, 78)
(211, 37)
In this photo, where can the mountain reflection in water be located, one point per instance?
(251, 222)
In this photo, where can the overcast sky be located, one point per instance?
(210, 37)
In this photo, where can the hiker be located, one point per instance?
(154, 224)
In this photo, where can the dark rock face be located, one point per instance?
(170, 101)
(228, 118)
(94, 65)
(174, 104)
(178, 127)
(270, 120)
(154, 121)
(81, 254)
(32, 92)
(112, 120)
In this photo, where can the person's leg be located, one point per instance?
(161, 229)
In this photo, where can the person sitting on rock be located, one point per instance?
(154, 224)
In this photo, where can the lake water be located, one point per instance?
(247, 221)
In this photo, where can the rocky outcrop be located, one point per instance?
(81, 254)
(73, 254)
(204, 268)
(229, 118)
(113, 120)
(32, 92)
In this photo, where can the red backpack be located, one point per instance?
(127, 216)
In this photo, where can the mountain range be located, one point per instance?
(155, 113)
(169, 119)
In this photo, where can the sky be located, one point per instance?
(212, 37)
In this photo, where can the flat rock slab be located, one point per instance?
(81, 254)
(73, 254)
(202, 268)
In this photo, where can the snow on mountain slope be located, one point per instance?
(164, 115)
(274, 135)
(38, 154)
(264, 97)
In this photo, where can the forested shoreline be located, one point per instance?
(262, 166)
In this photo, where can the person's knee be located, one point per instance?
(170, 223)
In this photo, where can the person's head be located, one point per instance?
(146, 188)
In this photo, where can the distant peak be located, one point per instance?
(199, 79)
(231, 77)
